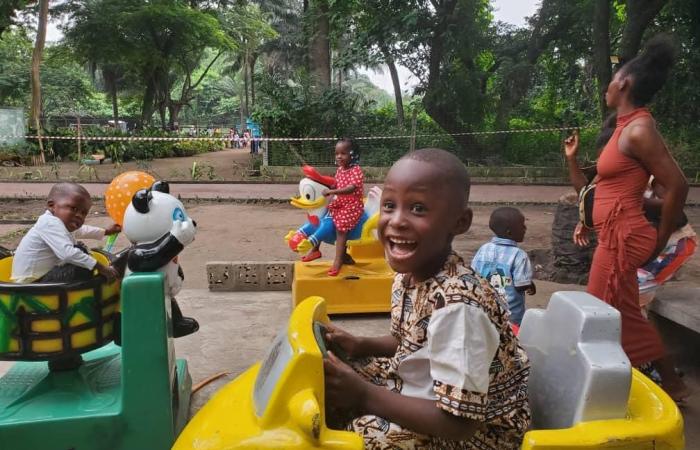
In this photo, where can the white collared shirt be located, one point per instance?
(49, 244)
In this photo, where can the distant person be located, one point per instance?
(236, 139)
(503, 264)
(50, 252)
(246, 138)
(230, 138)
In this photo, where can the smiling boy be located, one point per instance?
(451, 375)
(49, 252)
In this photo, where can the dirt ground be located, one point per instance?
(254, 232)
(229, 164)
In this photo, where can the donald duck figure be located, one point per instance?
(319, 226)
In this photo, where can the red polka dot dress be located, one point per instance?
(346, 209)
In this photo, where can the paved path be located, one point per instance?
(237, 191)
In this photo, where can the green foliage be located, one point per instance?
(20, 153)
(15, 57)
(8, 8)
(191, 148)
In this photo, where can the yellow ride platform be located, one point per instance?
(653, 422)
(364, 287)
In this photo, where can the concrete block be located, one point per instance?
(250, 275)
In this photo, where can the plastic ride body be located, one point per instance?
(131, 397)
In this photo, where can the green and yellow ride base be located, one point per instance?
(364, 287)
(131, 397)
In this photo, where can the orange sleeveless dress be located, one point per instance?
(625, 241)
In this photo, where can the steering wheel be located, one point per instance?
(320, 335)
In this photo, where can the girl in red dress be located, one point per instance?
(626, 240)
(347, 206)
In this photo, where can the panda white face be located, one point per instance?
(163, 211)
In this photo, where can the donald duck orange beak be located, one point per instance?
(301, 202)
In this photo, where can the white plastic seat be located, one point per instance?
(579, 371)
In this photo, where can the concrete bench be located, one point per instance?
(679, 304)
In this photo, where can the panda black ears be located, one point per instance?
(140, 200)
(161, 186)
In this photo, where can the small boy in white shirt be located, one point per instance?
(49, 252)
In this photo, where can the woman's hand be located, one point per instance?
(661, 242)
(571, 145)
(337, 337)
(345, 388)
(581, 235)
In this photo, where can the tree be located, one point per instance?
(92, 21)
(15, 57)
(319, 47)
(35, 111)
(161, 41)
(248, 29)
(8, 8)
(374, 40)
(640, 13)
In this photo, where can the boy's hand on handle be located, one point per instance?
(113, 229)
(581, 235)
(109, 272)
(345, 388)
(571, 145)
(342, 339)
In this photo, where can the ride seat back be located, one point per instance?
(579, 371)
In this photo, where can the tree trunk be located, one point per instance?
(569, 263)
(251, 68)
(174, 109)
(320, 48)
(435, 104)
(111, 82)
(397, 86)
(148, 105)
(640, 13)
(245, 85)
(601, 50)
(242, 117)
(37, 54)
(161, 113)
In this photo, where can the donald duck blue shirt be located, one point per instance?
(506, 267)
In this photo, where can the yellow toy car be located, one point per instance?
(276, 404)
(279, 404)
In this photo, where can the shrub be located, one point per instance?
(19, 153)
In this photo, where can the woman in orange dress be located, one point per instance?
(626, 240)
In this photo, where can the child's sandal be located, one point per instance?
(311, 256)
(333, 272)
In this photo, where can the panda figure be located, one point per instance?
(158, 227)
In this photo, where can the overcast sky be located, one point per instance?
(510, 11)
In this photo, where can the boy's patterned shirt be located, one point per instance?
(496, 394)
